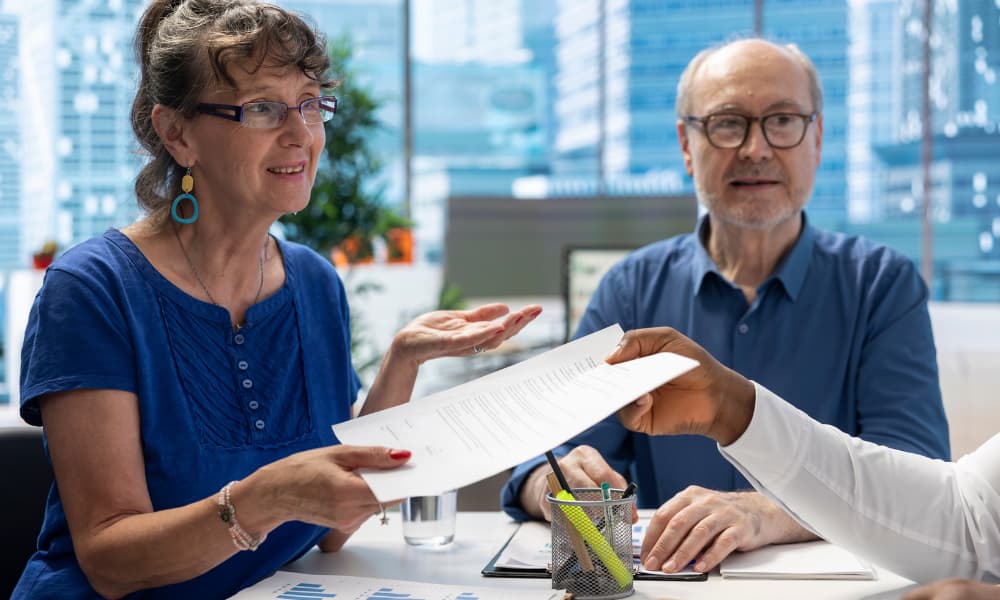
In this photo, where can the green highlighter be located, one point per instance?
(587, 530)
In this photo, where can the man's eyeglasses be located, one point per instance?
(268, 115)
(727, 130)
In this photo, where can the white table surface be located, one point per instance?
(379, 551)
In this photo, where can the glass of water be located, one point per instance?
(430, 520)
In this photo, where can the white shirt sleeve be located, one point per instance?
(924, 519)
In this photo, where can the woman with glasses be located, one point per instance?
(188, 368)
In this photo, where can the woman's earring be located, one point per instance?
(187, 184)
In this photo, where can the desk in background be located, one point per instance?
(376, 551)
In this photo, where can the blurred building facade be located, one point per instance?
(885, 137)
(10, 134)
(95, 150)
(509, 92)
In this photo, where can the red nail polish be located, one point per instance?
(399, 454)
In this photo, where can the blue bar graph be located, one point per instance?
(304, 591)
(387, 594)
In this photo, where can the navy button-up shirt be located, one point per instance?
(840, 330)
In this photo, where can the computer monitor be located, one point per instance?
(583, 268)
(513, 247)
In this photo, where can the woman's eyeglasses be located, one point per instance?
(269, 115)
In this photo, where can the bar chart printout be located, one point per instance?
(305, 591)
(387, 593)
(285, 585)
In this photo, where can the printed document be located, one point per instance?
(806, 560)
(285, 585)
(475, 430)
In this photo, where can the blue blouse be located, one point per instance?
(214, 404)
(840, 330)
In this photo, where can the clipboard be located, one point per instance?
(492, 570)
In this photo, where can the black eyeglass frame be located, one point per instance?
(234, 112)
(703, 122)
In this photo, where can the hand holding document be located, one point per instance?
(480, 428)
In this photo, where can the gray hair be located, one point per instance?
(683, 102)
(183, 46)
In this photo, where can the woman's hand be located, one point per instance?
(460, 332)
(318, 486)
(710, 399)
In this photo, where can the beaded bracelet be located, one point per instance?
(227, 512)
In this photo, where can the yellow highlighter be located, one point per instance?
(588, 531)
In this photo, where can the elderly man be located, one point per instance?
(835, 324)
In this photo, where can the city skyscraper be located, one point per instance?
(965, 114)
(30, 83)
(10, 141)
(486, 32)
(965, 133)
(873, 102)
(482, 115)
(478, 31)
(95, 149)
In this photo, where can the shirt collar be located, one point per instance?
(791, 271)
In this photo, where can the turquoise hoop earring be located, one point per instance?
(187, 184)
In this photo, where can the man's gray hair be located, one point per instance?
(683, 103)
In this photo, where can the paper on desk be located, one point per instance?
(284, 585)
(807, 560)
(530, 547)
(480, 428)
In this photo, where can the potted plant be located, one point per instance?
(357, 249)
(397, 231)
(45, 255)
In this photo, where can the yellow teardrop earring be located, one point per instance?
(187, 184)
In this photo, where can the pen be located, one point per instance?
(629, 490)
(555, 469)
(609, 531)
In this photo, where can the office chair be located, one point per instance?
(27, 476)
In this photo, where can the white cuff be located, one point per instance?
(770, 446)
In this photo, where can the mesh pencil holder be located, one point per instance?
(592, 544)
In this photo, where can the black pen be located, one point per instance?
(555, 469)
(629, 490)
